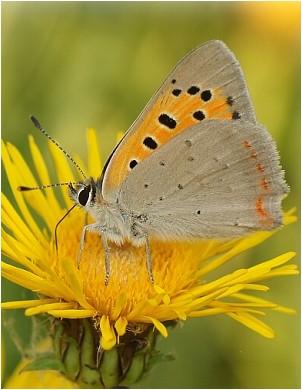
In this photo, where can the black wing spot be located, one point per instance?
(180, 187)
(176, 92)
(146, 185)
(150, 143)
(133, 164)
(193, 90)
(206, 95)
(230, 100)
(167, 121)
(236, 115)
(198, 212)
(199, 115)
(188, 143)
(190, 158)
(173, 81)
(162, 163)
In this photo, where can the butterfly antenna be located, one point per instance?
(39, 127)
(25, 188)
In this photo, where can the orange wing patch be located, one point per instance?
(173, 112)
(265, 219)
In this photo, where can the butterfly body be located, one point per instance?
(112, 221)
(196, 164)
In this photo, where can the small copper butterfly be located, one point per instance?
(195, 164)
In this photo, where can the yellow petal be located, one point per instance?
(119, 305)
(121, 325)
(253, 323)
(95, 161)
(26, 304)
(108, 339)
(72, 313)
(48, 307)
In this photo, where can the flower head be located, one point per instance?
(129, 304)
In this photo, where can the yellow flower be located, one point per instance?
(129, 304)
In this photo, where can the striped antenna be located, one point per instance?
(24, 188)
(43, 131)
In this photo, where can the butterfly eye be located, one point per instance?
(83, 195)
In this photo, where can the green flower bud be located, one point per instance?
(77, 345)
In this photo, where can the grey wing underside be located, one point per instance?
(218, 179)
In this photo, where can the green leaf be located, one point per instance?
(46, 362)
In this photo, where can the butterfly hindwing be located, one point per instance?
(207, 84)
(218, 179)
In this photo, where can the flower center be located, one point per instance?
(174, 265)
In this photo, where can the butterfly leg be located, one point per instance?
(149, 259)
(95, 227)
(107, 259)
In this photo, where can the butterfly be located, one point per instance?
(195, 164)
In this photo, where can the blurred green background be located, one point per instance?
(80, 64)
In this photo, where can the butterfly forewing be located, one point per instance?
(218, 179)
(207, 84)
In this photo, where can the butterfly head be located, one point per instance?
(83, 194)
